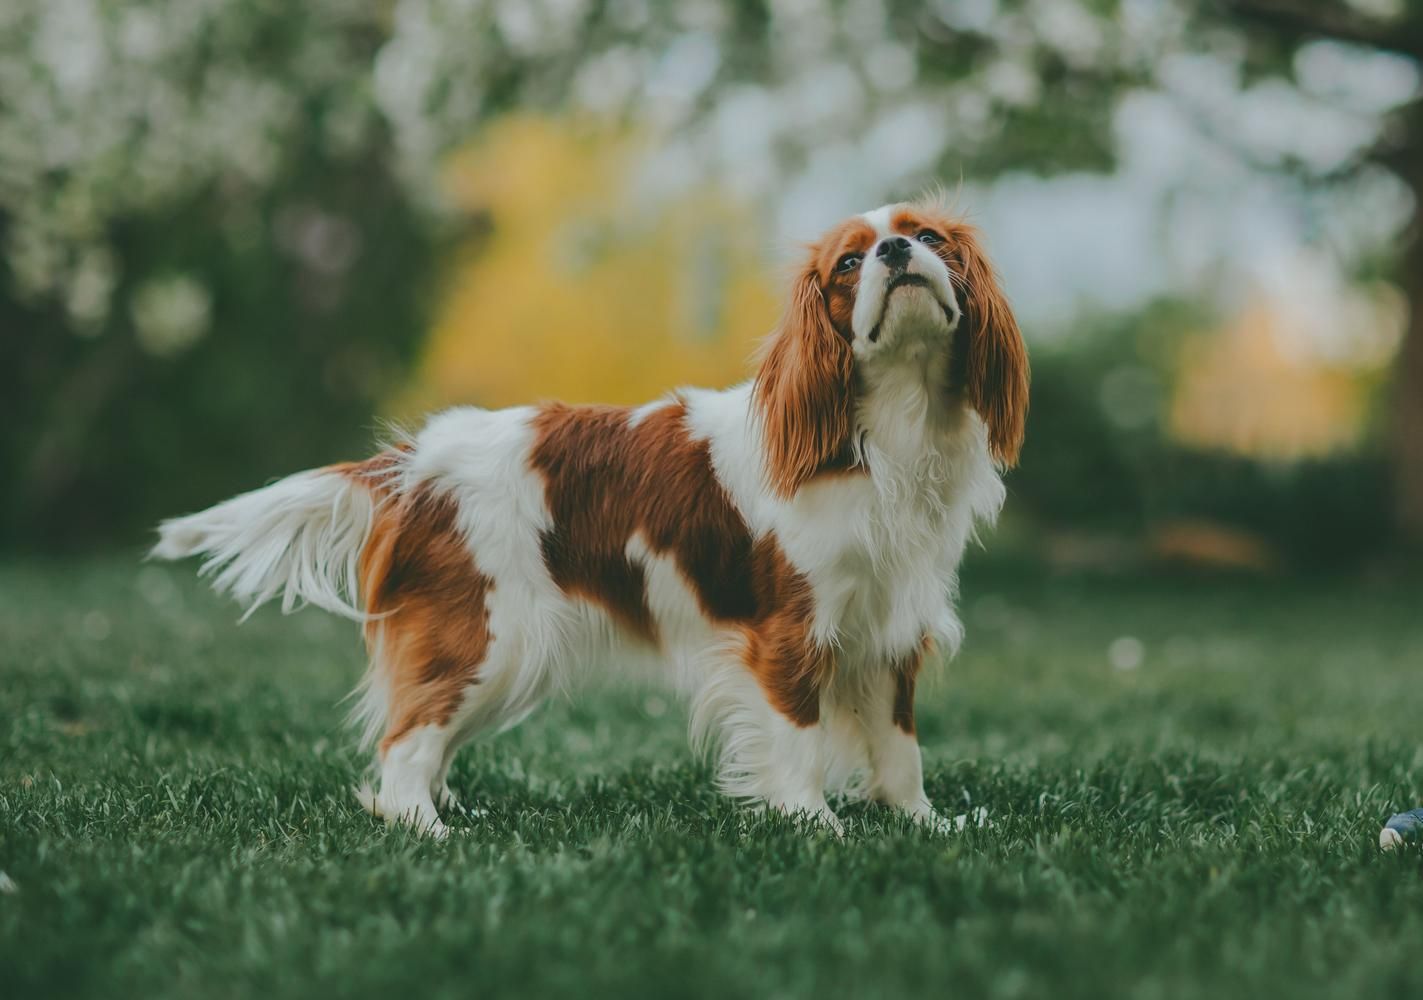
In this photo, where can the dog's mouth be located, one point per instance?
(907, 281)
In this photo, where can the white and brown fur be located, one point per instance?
(784, 552)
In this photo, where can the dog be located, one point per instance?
(783, 552)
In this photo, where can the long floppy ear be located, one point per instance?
(991, 362)
(803, 390)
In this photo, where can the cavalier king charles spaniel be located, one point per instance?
(784, 552)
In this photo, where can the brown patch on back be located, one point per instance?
(418, 574)
(607, 481)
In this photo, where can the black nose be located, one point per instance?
(893, 251)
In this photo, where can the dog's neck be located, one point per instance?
(905, 411)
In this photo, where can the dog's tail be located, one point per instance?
(300, 537)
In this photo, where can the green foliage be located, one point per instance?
(214, 225)
(216, 231)
(214, 279)
(175, 813)
(1319, 515)
(1097, 424)
(104, 435)
(1098, 457)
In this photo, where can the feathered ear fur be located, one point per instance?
(991, 361)
(803, 390)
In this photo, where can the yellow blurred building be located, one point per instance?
(1239, 389)
(582, 291)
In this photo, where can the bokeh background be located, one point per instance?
(237, 235)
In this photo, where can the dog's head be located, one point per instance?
(876, 287)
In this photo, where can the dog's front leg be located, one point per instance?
(896, 765)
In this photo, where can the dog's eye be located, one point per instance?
(848, 263)
(928, 237)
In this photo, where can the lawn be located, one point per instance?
(1182, 785)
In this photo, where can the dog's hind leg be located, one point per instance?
(429, 639)
(508, 690)
(450, 653)
(428, 697)
(440, 790)
(408, 770)
(431, 706)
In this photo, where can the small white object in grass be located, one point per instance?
(1401, 828)
(979, 817)
(1126, 653)
(7, 885)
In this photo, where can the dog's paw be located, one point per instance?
(369, 800)
(445, 798)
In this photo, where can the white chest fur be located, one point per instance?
(880, 550)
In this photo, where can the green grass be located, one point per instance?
(174, 812)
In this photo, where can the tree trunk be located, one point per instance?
(1408, 390)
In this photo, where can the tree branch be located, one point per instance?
(1298, 20)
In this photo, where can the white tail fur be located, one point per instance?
(300, 537)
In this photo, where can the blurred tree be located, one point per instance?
(894, 93)
(1103, 464)
(210, 271)
(1276, 32)
(215, 213)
